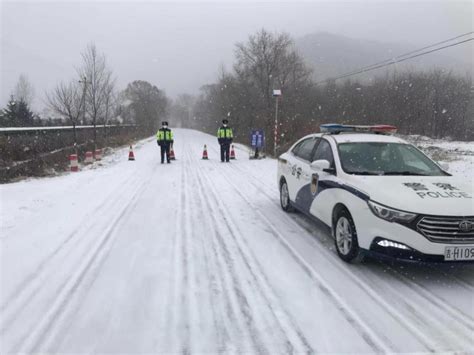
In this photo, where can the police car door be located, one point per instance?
(322, 181)
(301, 173)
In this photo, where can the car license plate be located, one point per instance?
(459, 253)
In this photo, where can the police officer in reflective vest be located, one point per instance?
(164, 138)
(224, 137)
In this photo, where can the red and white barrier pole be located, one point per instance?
(276, 95)
(98, 154)
(74, 166)
(89, 158)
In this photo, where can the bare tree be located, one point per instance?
(435, 103)
(66, 101)
(98, 78)
(110, 104)
(24, 90)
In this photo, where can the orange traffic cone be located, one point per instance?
(232, 152)
(204, 153)
(131, 156)
(172, 157)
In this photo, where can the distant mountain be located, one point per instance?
(331, 55)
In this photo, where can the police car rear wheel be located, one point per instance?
(345, 236)
(285, 197)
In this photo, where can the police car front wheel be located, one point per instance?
(345, 236)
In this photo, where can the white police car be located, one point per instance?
(379, 195)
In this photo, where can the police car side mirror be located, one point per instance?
(320, 165)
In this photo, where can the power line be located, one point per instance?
(401, 58)
(398, 61)
(411, 52)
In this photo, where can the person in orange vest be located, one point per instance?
(225, 136)
(164, 138)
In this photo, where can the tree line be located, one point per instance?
(91, 97)
(434, 103)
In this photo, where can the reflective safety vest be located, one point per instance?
(164, 135)
(225, 132)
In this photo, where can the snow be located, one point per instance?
(458, 155)
(198, 257)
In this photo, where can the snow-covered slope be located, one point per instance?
(197, 257)
(459, 156)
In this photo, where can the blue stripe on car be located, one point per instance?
(304, 197)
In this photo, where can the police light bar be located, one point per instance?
(339, 128)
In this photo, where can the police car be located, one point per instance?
(379, 195)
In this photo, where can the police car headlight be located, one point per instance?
(390, 214)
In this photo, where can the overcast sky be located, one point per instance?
(179, 46)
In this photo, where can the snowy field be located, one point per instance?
(458, 155)
(198, 257)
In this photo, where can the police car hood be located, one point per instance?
(433, 195)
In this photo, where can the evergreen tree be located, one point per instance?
(25, 118)
(17, 114)
(9, 115)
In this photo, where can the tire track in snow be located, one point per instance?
(38, 281)
(436, 301)
(175, 299)
(44, 331)
(469, 286)
(377, 342)
(184, 281)
(429, 315)
(280, 317)
(220, 328)
(193, 314)
(286, 323)
(238, 308)
(27, 289)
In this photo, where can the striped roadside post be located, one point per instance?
(276, 95)
(89, 158)
(73, 165)
(98, 154)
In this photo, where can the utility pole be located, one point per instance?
(276, 95)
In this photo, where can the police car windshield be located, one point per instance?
(379, 158)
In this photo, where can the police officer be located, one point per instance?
(164, 138)
(224, 137)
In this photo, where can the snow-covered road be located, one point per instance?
(198, 257)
